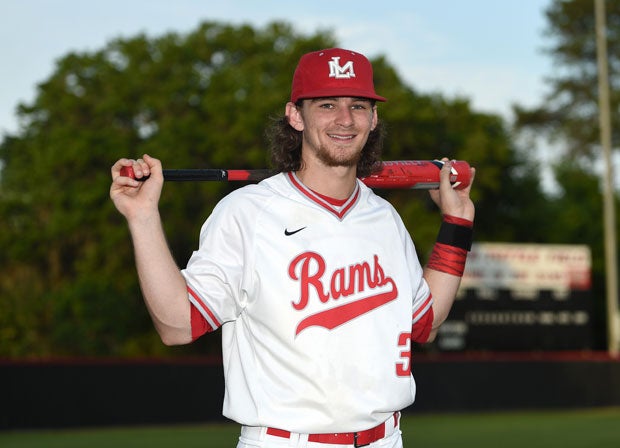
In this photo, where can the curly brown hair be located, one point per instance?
(285, 148)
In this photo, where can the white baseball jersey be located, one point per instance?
(316, 304)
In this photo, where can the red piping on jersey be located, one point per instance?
(421, 329)
(316, 198)
(204, 306)
(423, 308)
(199, 324)
(333, 201)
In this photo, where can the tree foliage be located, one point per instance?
(202, 99)
(569, 112)
(569, 117)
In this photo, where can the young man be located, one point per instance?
(313, 278)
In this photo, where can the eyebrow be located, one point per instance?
(334, 98)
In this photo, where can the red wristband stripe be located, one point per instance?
(448, 259)
(458, 221)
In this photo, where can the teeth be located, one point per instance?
(341, 137)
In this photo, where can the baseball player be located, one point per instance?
(313, 279)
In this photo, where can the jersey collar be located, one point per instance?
(339, 211)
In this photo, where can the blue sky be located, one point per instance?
(489, 51)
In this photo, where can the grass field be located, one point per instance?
(595, 428)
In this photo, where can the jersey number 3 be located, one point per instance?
(404, 342)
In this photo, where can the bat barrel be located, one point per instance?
(418, 175)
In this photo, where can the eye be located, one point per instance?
(361, 105)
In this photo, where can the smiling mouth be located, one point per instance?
(341, 137)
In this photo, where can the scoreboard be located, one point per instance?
(522, 297)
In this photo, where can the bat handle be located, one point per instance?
(200, 174)
(127, 171)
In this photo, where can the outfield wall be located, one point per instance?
(88, 393)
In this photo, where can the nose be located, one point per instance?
(344, 116)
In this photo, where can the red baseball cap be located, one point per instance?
(331, 73)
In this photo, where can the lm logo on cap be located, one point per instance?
(339, 72)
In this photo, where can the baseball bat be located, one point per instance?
(396, 174)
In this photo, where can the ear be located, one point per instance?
(294, 116)
(375, 118)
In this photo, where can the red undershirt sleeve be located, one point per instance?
(200, 325)
(421, 330)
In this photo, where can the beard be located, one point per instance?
(329, 158)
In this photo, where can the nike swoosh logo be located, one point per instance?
(292, 232)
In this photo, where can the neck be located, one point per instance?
(336, 182)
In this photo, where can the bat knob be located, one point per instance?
(461, 174)
(127, 171)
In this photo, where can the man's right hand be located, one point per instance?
(134, 198)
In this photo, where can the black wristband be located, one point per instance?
(455, 235)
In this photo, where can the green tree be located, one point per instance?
(568, 117)
(568, 114)
(202, 99)
(507, 189)
(195, 100)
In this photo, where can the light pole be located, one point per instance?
(613, 320)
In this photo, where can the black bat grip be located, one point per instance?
(182, 174)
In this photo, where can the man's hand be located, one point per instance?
(453, 202)
(135, 198)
